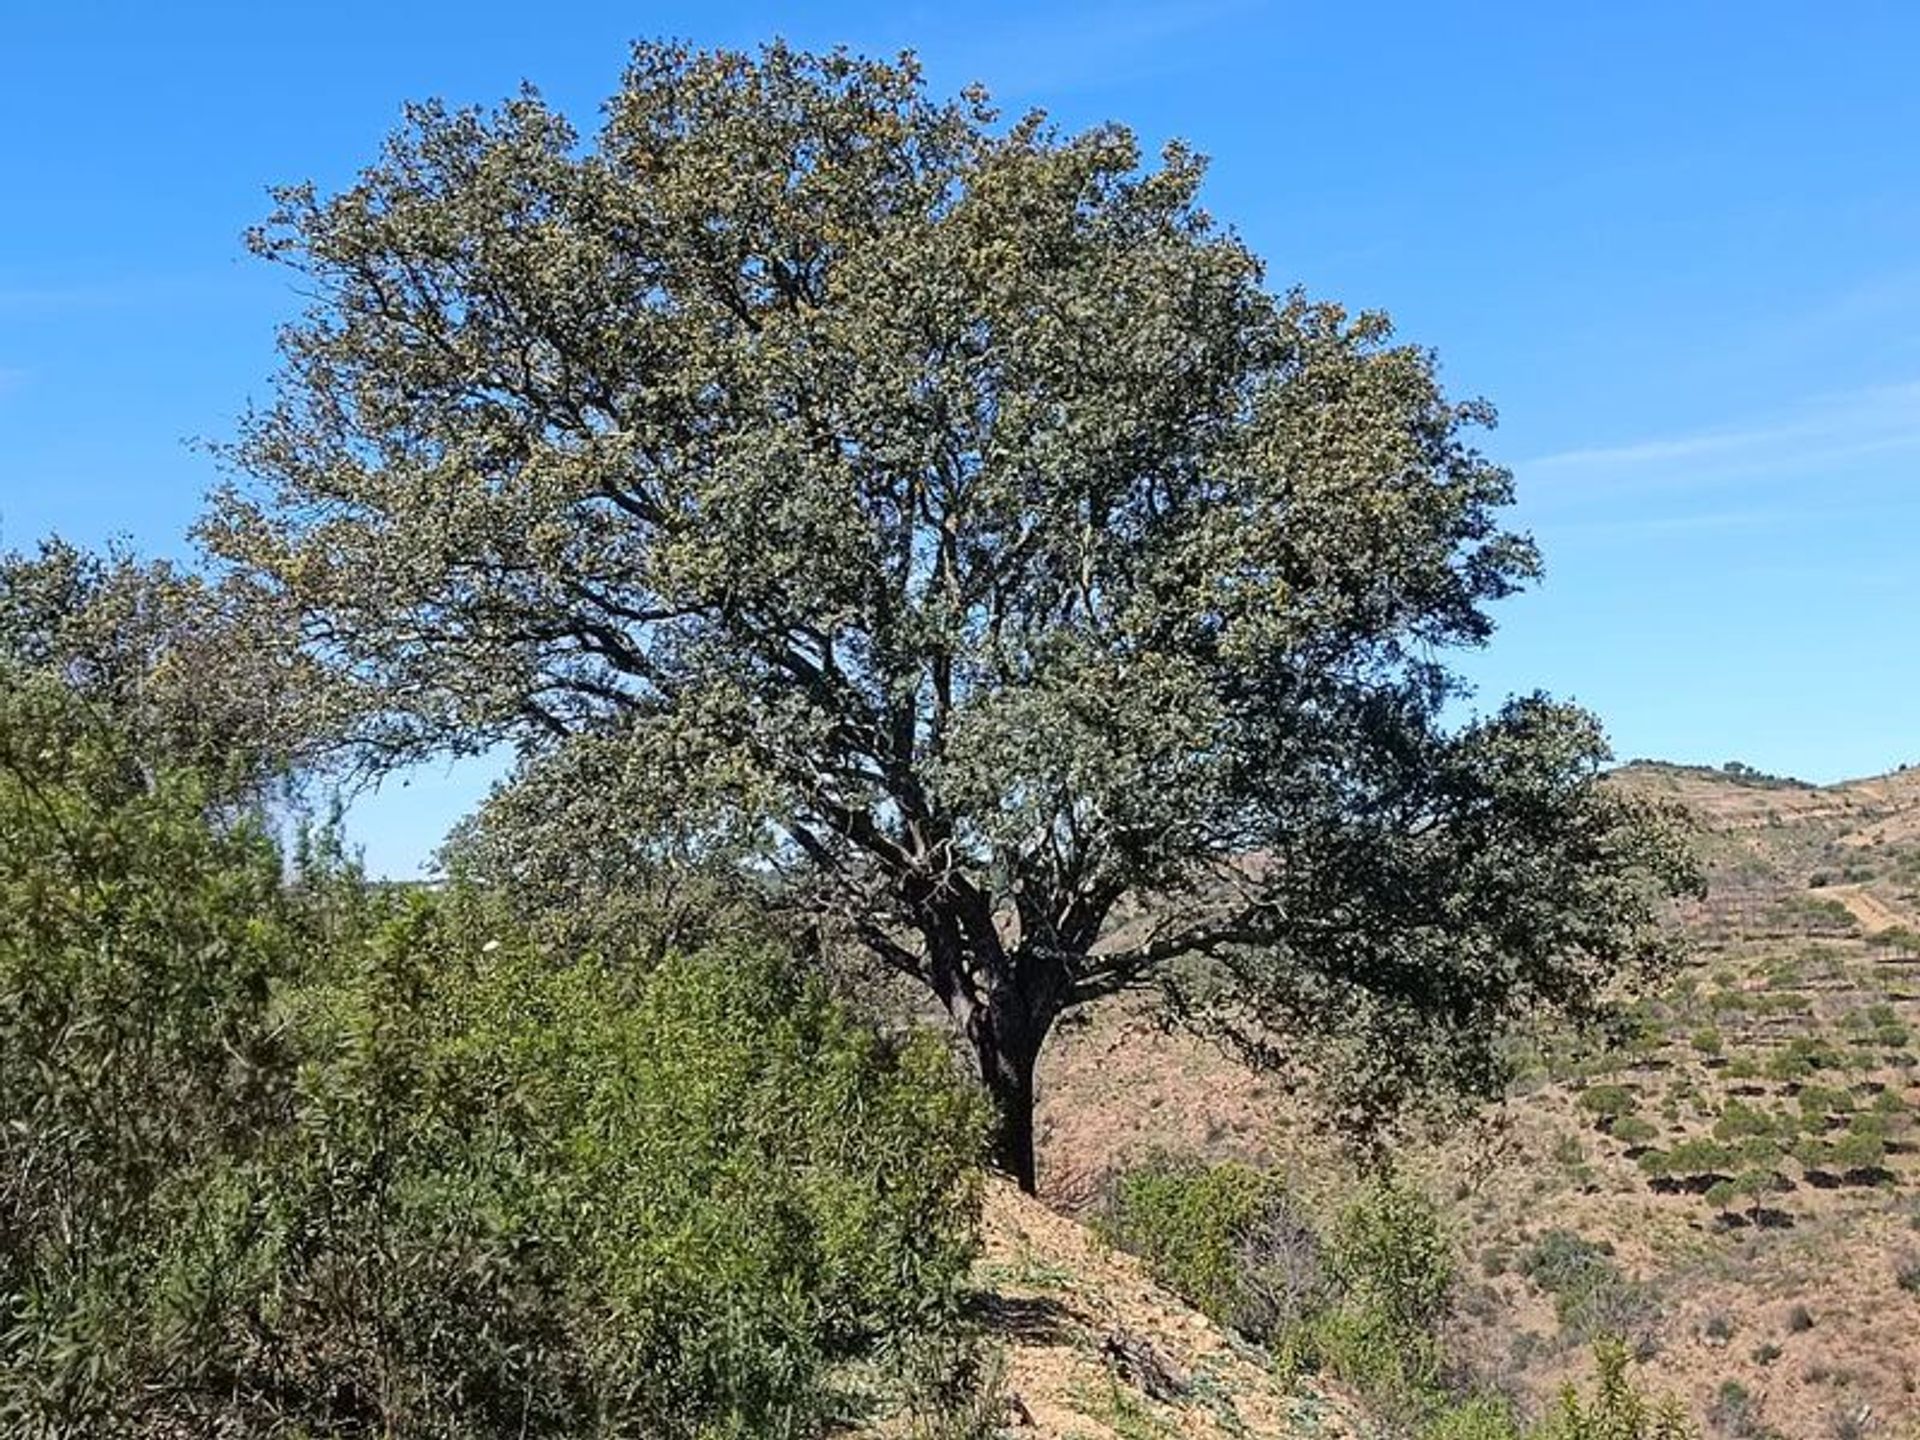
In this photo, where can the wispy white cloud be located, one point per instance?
(1753, 521)
(1711, 522)
(1821, 433)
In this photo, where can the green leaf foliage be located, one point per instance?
(1593, 1299)
(195, 673)
(947, 507)
(295, 1159)
(1616, 1411)
(1609, 1102)
(1228, 1238)
(139, 1055)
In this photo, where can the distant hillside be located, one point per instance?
(1736, 1182)
(1741, 794)
(1734, 772)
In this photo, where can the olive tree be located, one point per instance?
(949, 505)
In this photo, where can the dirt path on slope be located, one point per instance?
(1067, 1309)
(1873, 913)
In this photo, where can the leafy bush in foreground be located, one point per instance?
(139, 1061)
(1616, 1411)
(413, 1181)
(685, 1207)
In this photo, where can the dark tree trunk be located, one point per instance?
(1003, 1002)
(1009, 1080)
(1006, 1042)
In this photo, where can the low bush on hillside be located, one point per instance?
(1632, 1130)
(1616, 1410)
(1228, 1238)
(1593, 1299)
(1382, 1289)
(1608, 1102)
(1800, 1057)
(1384, 1331)
(400, 1174)
(1906, 1273)
(1362, 1298)
(1689, 1157)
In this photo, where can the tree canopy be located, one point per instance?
(192, 672)
(943, 512)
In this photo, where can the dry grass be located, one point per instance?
(1068, 1313)
(1791, 948)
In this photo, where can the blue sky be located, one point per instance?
(1678, 245)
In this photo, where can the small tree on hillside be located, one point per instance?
(949, 509)
(192, 672)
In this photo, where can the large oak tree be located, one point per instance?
(951, 505)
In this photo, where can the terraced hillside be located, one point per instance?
(1734, 1182)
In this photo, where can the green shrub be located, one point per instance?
(1608, 1102)
(1822, 1100)
(1850, 1151)
(1758, 1184)
(1906, 1273)
(746, 1183)
(953, 1386)
(1875, 1124)
(1366, 1304)
(1227, 1238)
(1363, 1349)
(1829, 913)
(1800, 1057)
(1593, 1299)
(1632, 1130)
(402, 1177)
(1738, 1121)
(139, 1061)
(1391, 1254)
(1394, 1275)
(1689, 1157)
(1735, 1411)
(1617, 1410)
(1478, 1418)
